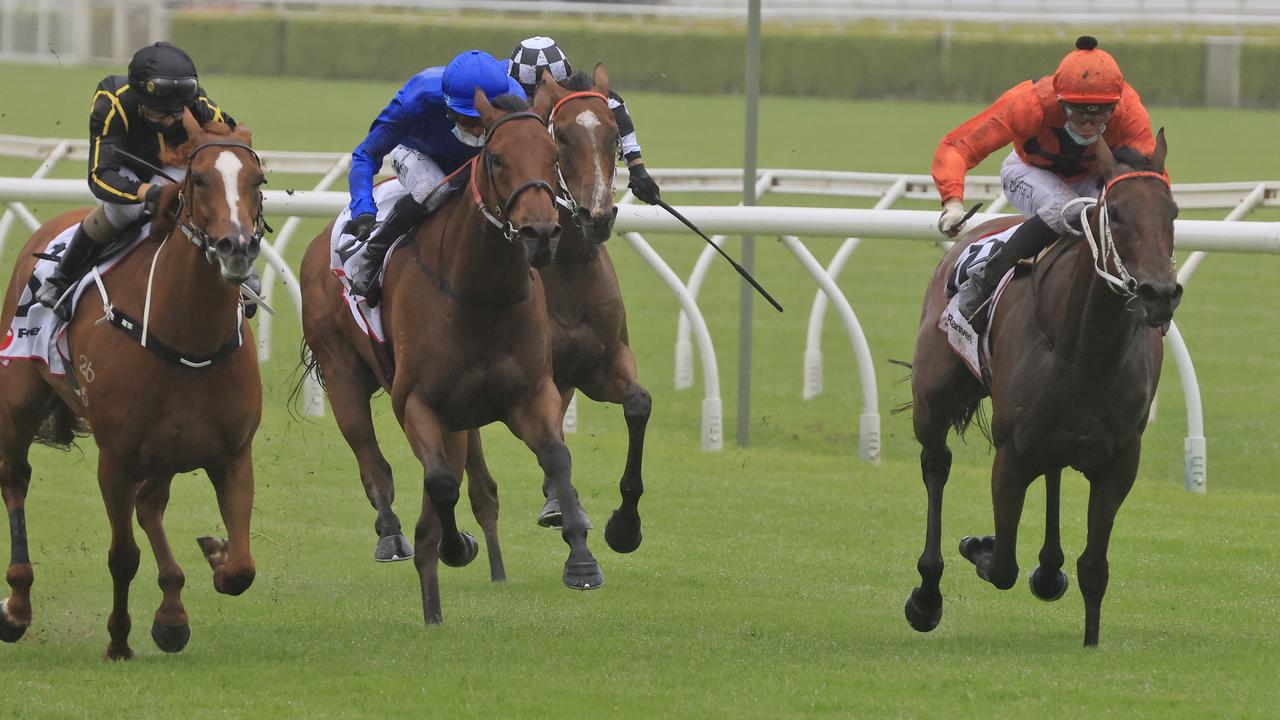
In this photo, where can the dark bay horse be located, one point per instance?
(466, 321)
(1075, 359)
(152, 415)
(589, 340)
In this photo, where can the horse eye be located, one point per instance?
(496, 159)
(197, 180)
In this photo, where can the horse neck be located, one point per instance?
(1096, 327)
(192, 310)
(475, 260)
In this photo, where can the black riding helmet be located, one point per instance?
(164, 77)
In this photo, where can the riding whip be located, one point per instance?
(741, 270)
(130, 156)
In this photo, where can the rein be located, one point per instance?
(1103, 246)
(498, 217)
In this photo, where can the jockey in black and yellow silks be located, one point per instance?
(140, 114)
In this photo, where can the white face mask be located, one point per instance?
(467, 138)
(1082, 140)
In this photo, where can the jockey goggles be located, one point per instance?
(1085, 113)
(164, 93)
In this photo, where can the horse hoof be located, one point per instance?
(583, 574)
(10, 631)
(392, 548)
(921, 618)
(470, 548)
(974, 548)
(170, 638)
(1046, 587)
(114, 653)
(550, 515)
(623, 532)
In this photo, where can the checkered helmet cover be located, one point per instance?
(533, 53)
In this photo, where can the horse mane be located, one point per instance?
(509, 103)
(580, 81)
(163, 222)
(1133, 158)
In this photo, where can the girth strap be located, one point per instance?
(133, 329)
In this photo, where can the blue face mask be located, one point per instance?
(1082, 140)
(467, 138)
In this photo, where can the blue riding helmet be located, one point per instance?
(466, 72)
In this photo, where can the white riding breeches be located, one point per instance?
(417, 172)
(1035, 191)
(120, 215)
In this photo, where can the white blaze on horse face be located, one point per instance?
(588, 120)
(229, 165)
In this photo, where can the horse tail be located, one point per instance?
(60, 426)
(308, 366)
(899, 409)
(969, 414)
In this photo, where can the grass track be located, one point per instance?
(771, 579)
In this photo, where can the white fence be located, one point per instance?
(787, 223)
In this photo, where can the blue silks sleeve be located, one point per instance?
(366, 160)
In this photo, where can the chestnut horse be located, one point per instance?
(191, 398)
(466, 323)
(590, 350)
(1075, 359)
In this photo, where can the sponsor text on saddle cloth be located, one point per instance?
(960, 334)
(345, 256)
(36, 332)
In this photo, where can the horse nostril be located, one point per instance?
(225, 245)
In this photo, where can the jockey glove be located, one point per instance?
(952, 219)
(151, 201)
(360, 226)
(643, 186)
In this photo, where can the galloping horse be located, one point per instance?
(466, 321)
(1074, 364)
(590, 350)
(186, 394)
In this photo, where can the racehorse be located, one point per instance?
(1074, 363)
(190, 397)
(466, 321)
(589, 340)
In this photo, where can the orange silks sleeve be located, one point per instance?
(976, 138)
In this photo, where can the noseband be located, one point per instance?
(1104, 247)
(566, 199)
(499, 217)
(196, 234)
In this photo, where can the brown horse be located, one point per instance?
(156, 410)
(590, 350)
(466, 322)
(1075, 360)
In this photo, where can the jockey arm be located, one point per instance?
(206, 111)
(108, 128)
(1009, 119)
(642, 186)
(366, 160)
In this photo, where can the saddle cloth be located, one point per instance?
(37, 333)
(964, 341)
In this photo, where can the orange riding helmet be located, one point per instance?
(1088, 76)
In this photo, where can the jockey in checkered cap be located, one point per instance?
(1053, 123)
(542, 54)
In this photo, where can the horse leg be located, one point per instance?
(436, 536)
(1048, 582)
(551, 515)
(623, 530)
(538, 426)
(349, 385)
(170, 629)
(118, 489)
(230, 557)
(1108, 488)
(995, 556)
(482, 490)
(15, 479)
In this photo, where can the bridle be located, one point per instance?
(499, 217)
(196, 234)
(1103, 246)
(566, 199)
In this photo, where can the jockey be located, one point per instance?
(139, 114)
(1053, 123)
(535, 53)
(430, 128)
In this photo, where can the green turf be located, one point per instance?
(771, 580)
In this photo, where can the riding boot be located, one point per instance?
(1032, 236)
(76, 259)
(403, 216)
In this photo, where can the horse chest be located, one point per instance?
(1079, 425)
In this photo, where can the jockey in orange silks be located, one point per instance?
(1053, 124)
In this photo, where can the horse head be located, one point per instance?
(1138, 210)
(519, 157)
(220, 203)
(587, 135)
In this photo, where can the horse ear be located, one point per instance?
(600, 77)
(487, 112)
(546, 95)
(1162, 150)
(1106, 161)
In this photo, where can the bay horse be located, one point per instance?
(466, 323)
(191, 398)
(589, 339)
(1074, 364)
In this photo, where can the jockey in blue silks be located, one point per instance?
(430, 129)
